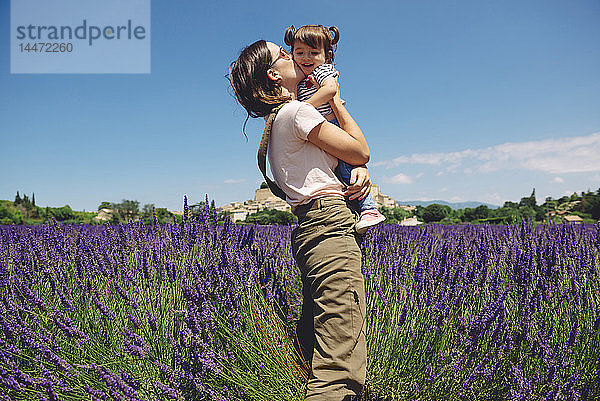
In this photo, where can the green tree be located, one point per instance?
(10, 215)
(481, 212)
(148, 208)
(26, 202)
(18, 199)
(511, 205)
(270, 216)
(395, 215)
(590, 204)
(128, 209)
(450, 220)
(105, 205)
(163, 215)
(527, 213)
(436, 212)
(419, 212)
(264, 185)
(529, 201)
(62, 214)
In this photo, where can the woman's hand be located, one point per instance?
(360, 183)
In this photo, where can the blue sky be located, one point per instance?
(459, 100)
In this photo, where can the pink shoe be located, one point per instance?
(368, 218)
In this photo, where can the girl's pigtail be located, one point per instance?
(288, 38)
(335, 34)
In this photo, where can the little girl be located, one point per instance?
(312, 50)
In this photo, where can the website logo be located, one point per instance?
(80, 36)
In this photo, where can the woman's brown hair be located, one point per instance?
(315, 36)
(248, 77)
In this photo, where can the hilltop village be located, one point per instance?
(264, 199)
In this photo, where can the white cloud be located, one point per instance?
(558, 180)
(426, 158)
(419, 175)
(493, 198)
(555, 156)
(397, 179)
(233, 181)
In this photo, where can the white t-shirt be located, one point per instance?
(301, 169)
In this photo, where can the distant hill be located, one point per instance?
(453, 205)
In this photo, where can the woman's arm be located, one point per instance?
(348, 142)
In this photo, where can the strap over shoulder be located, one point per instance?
(262, 153)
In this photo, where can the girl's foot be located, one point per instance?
(368, 218)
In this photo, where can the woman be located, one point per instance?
(303, 151)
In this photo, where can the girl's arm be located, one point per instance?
(348, 142)
(325, 92)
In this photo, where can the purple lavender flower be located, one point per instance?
(152, 321)
(106, 312)
(573, 334)
(169, 392)
(130, 380)
(126, 296)
(97, 395)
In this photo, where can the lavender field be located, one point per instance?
(201, 311)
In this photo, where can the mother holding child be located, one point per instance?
(305, 145)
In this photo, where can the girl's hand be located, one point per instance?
(360, 183)
(313, 81)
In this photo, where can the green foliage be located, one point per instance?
(62, 214)
(105, 205)
(590, 205)
(529, 201)
(148, 208)
(264, 185)
(450, 221)
(162, 215)
(395, 215)
(24, 201)
(478, 213)
(436, 212)
(127, 209)
(9, 214)
(270, 216)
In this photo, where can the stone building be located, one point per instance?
(263, 199)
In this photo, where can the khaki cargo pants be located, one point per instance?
(331, 330)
